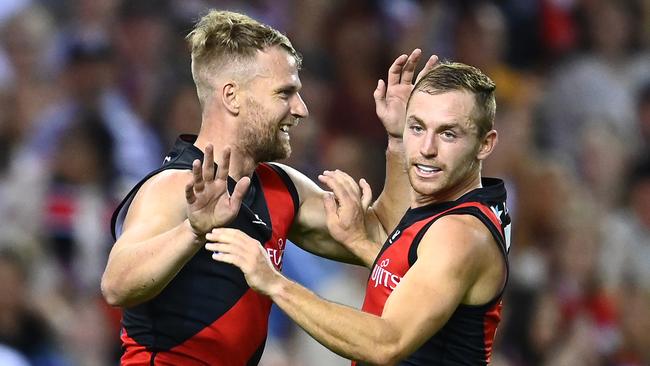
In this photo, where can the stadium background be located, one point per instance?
(92, 92)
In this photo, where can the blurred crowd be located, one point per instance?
(93, 92)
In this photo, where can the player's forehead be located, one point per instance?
(442, 108)
(278, 66)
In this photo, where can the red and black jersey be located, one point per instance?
(467, 337)
(207, 315)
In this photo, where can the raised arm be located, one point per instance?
(464, 273)
(165, 226)
(317, 232)
(391, 98)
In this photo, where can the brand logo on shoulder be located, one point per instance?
(167, 159)
(258, 220)
(381, 276)
(394, 236)
(501, 212)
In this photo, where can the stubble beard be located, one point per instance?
(259, 138)
(443, 187)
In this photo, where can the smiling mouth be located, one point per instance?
(427, 169)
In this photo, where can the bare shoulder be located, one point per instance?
(160, 203)
(463, 247)
(463, 238)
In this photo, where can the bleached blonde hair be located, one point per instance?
(227, 42)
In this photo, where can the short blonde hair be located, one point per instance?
(455, 76)
(224, 39)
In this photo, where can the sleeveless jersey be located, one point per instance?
(207, 315)
(467, 337)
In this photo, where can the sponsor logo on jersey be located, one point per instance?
(382, 276)
(276, 253)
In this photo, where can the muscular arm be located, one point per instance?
(457, 251)
(156, 242)
(163, 228)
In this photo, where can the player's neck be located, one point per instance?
(241, 164)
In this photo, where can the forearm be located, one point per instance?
(367, 251)
(323, 245)
(348, 332)
(138, 271)
(394, 200)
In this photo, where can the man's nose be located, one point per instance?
(298, 107)
(429, 146)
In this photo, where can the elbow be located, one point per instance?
(386, 355)
(383, 353)
(111, 293)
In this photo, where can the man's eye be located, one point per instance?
(416, 128)
(448, 134)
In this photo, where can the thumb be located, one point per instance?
(366, 194)
(380, 90)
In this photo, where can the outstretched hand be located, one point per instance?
(346, 207)
(237, 248)
(391, 97)
(209, 204)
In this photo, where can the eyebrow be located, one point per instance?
(451, 126)
(288, 88)
(442, 127)
(414, 119)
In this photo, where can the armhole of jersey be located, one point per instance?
(413, 249)
(117, 221)
(291, 188)
(119, 215)
(476, 212)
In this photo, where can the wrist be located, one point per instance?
(365, 249)
(277, 286)
(198, 238)
(370, 251)
(395, 144)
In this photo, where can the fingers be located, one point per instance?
(208, 163)
(228, 236)
(431, 63)
(189, 193)
(197, 176)
(230, 245)
(224, 164)
(380, 92)
(227, 258)
(409, 67)
(240, 191)
(338, 182)
(366, 193)
(395, 70)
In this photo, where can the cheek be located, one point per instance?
(458, 156)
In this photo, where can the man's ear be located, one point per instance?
(230, 97)
(487, 145)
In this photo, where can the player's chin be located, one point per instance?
(285, 151)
